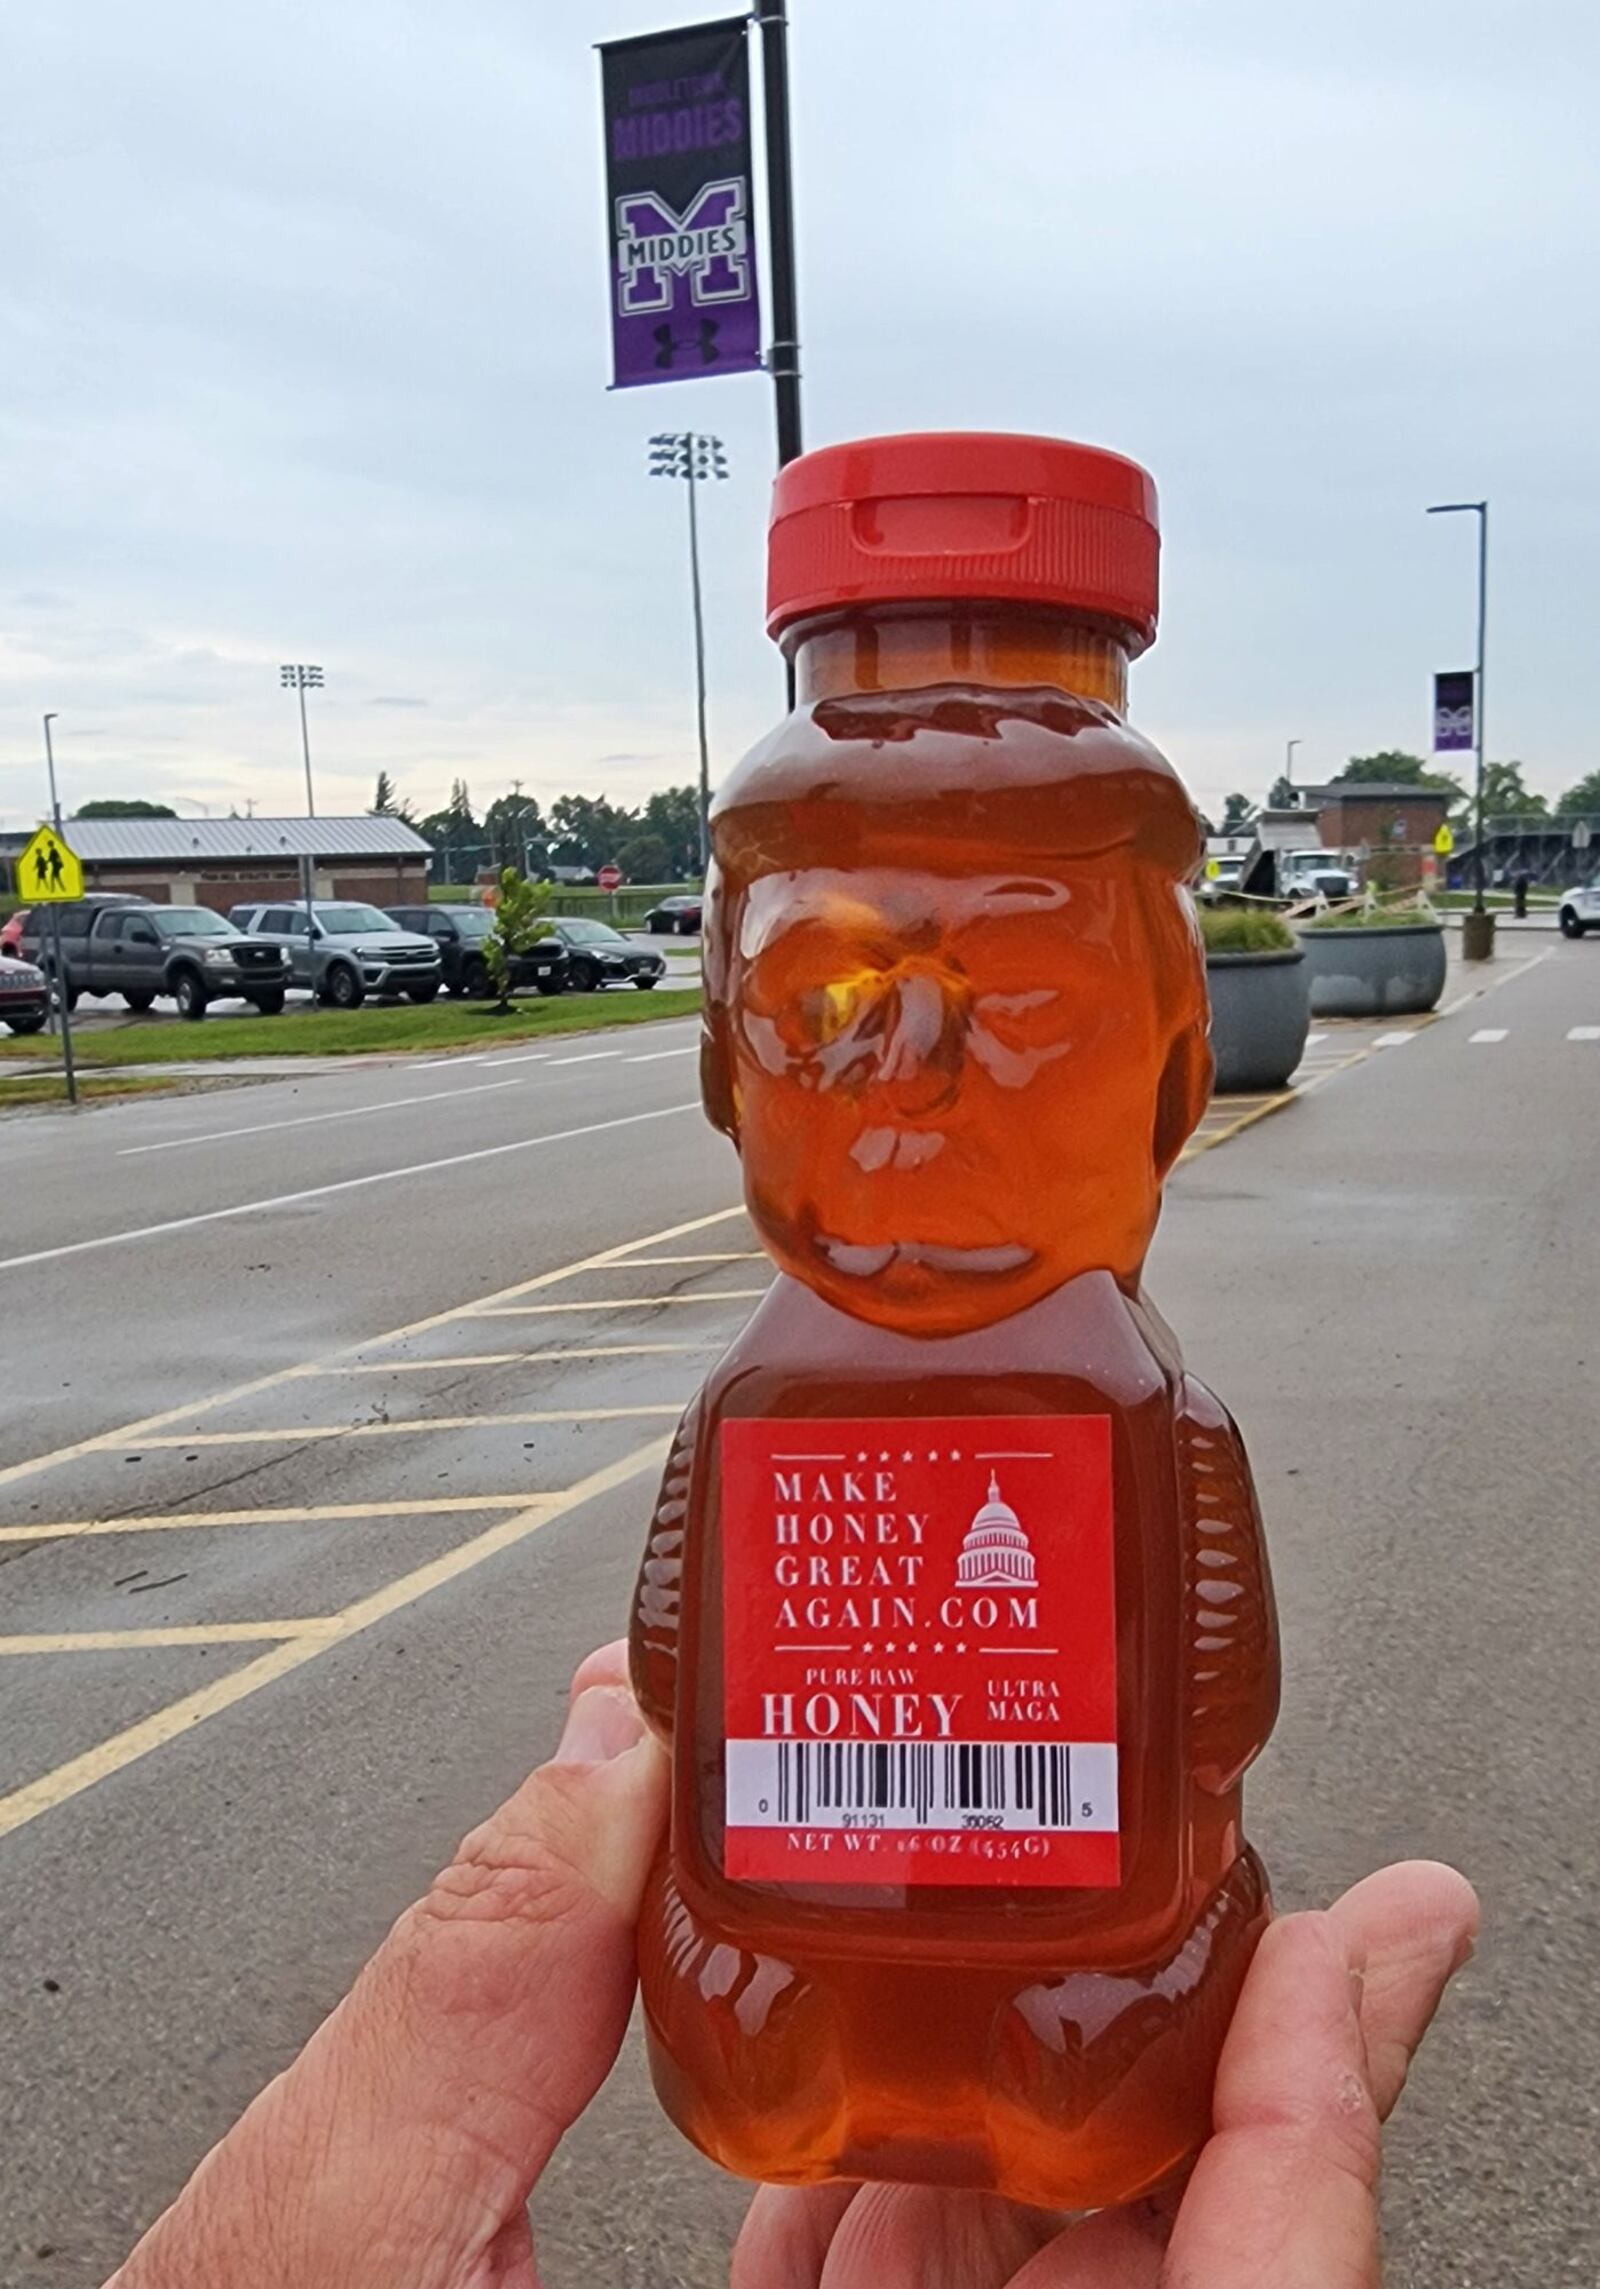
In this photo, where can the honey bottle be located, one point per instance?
(955, 1609)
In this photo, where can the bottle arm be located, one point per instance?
(1231, 1622)
(657, 1601)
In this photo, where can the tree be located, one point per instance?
(1584, 797)
(515, 828)
(674, 815)
(1237, 812)
(586, 830)
(113, 808)
(519, 924)
(382, 806)
(645, 858)
(1282, 795)
(456, 836)
(1507, 796)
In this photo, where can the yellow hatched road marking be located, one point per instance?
(1205, 1138)
(614, 1303)
(294, 1514)
(290, 1434)
(125, 1748)
(510, 1358)
(128, 1433)
(180, 1633)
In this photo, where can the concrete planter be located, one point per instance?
(1374, 973)
(1260, 1014)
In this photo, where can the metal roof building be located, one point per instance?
(233, 862)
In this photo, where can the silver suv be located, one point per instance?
(348, 951)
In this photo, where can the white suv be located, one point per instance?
(1579, 911)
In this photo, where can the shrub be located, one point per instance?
(1244, 930)
(1374, 918)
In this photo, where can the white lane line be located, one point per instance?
(432, 1364)
(529, 1057)
(586, 1057)
(290, 1434)
(1393, 1040)
(1583, 1033)
(477, 1057)
(1488, 1033)
(613, 1303)
(1315, 1040)
(328, 1191)
(690, 1049)
(306, 1120)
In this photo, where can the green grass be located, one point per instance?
(311, 1032)
(1458, 901)
(51, 1088)
(625, 907)
(1244, 930)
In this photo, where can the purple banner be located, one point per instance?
(1452, 711)
(684, 300)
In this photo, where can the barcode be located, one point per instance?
(1014, 1785)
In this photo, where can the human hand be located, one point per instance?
(399, 2150)
(1284, 2195)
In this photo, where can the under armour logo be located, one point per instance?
(668, 344)
(708, 243)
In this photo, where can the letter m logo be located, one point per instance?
(708, 243)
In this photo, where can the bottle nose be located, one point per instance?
(920, 1054)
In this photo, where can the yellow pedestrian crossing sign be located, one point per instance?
(49, 870)
(1444, 842)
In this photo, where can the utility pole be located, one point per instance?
(694, 457)
(50, 766)
(60, 1014)
(297, 677)
(1477, 935)
(783, 357)
(1289, 747)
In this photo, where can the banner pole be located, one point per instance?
(772, 17)
(63, 1012)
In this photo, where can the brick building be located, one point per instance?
(1379, 818)
(233, 862)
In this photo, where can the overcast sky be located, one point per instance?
(304, 357)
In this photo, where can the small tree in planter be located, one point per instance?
(519, 924)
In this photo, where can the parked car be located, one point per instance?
(75, 920)
(678, 916)
(24, 995)
(459, 933)
(599, 956)
(356, 950)
(11, 933)
(1579, 910)
(185, 952)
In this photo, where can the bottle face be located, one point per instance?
(949, 1025)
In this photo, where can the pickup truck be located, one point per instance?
(145, 951)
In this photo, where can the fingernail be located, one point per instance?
(603, 1723)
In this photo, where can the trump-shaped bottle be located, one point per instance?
(955, 1610)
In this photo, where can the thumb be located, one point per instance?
(408, 2134)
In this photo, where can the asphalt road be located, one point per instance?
(320, 1406)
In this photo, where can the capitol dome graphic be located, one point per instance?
(995, 1554)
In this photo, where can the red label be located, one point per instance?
(920, 1634)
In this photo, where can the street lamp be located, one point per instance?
(297, 677)
(693, 457)
(1289, 747)
(1482, 943)
(50, 765)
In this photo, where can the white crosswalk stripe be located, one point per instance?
(1489, 1033)
(1393, 1040)
(1584, 1033)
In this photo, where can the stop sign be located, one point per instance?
(609, 877)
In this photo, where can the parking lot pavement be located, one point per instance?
(296, 1571)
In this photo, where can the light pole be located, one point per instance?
(1289, 747)
(692, 457)
(1478, 942)
(296, 677)
(50, 766)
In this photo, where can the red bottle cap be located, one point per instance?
(965, 514)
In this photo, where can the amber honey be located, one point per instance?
(955, 1610)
